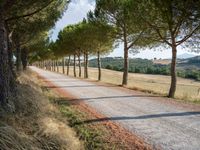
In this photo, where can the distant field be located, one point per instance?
(162, 61)
(186, 89)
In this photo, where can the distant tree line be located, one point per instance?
(146, 66)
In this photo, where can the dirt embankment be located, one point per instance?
(36, 124)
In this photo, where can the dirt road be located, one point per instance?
(159, 121)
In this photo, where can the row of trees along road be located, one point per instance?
(89, 37)
(137, 24)
(21, 21)
(149, 23)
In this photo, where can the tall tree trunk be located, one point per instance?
(126, 65)
(11, 66)
(18, 56)
(68, 64)
(84, 58)
(79, 64)
(24, 58)
(57, 65)
(49, 65)
(173, 71)
(43, 64)
(74, 65)
(63, 65)
(99, 65)
(10, 63)
(4, 68)
(51, 61)
(86, 65)
(54, 65)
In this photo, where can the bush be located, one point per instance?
(193, 75)
(137, 70)
(109, 67)
(116, 68)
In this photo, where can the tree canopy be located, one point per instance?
(20, 22)
(174, 23)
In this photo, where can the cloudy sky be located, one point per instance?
(78, 9)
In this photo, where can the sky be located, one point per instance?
(78, 9)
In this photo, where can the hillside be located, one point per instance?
(185, 56)
(162, 61)
(190, 63)
(136, 65)
(186, 68)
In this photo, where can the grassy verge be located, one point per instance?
(35, 124)
(94, 136)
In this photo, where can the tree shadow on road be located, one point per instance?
(152, 116)
(66, 100)
(77, 86)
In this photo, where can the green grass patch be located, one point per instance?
(92, 135)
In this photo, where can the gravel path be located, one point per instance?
(160, 122)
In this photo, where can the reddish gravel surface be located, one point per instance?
(159, 121)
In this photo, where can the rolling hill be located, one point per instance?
(186, 68)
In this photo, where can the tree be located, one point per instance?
(174, 23)
(84, 43)
(118, 14)
(76, 40)
(40, 48)
(67, 44)
(101, 35)
(25, 29)
(13, 11)
(24, 57)
(85, 38)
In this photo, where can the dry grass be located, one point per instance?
(97, 135)
(162, 61)
(186, 89)
(36, 123)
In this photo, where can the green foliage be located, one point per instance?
(90, 136)
(117, 64)
(190, 74)
(39, 48)
(30, 23)
(101, 34)
(68, 40)
(172, 22)
(84, 37)
(129, 27)
(37, 19)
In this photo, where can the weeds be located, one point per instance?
(92, 138)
